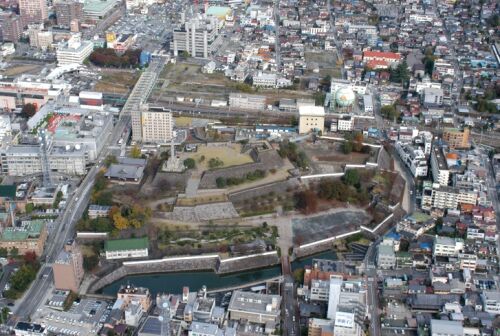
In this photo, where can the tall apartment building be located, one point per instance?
(446, 197)
(456, 138)
(346, 295)
(10, 26)
(33, 11)
(38, 37)
(198, 36)
(68, 268)
(157, 126)
(67, 11)
(439, 167)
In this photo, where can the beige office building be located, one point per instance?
(68, 268)
(157, 126)
(311, 118)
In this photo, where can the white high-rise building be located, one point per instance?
(199, 37)
(74, 51)
(334, 296)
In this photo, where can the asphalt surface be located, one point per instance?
(290, 310)
(64, 226)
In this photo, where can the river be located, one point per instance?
(173, 282)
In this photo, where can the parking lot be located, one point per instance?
(85, 317)
(152, 29)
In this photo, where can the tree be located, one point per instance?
(135, 152)
(29, 208)
(30, 259)
(306, 201)
(90, 262)
(3, 252)
(57, 200)
(110, 159)
(4, 316)
(120, 222)
(389, 112)
(298, 275)
(14, 252)
(189, 163)
(347, 147)
(351, 177)
(28, 110)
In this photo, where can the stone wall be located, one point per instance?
(185, 264)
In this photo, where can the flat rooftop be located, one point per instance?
(255, 303)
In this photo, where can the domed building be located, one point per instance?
(344, 98)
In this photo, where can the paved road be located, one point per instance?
(290, 309)
(76, 204)
(64, 229)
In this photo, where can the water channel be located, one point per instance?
(173, 282)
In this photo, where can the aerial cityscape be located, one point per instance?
(250, 167)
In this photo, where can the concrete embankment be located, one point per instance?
(212, 262)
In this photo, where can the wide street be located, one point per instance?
(64, 226)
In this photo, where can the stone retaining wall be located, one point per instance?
(185, 264)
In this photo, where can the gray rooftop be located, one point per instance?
(255, 303)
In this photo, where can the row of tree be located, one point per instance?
(106, 57)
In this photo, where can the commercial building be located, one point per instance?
(457, 139)
(38, 37)
(141, 295)
(414, 158)
(319, 290)
(311, 118)
(439, 166)
(96, 211)
(29, 329)
(33, 11)
(29, 237)
(446, 328)
(67, 11)
(379, 59)
(247, 101)
(432, 97)
(74, 51)
(255, 308)
(11, 26)
(320, 327)
(265, 80)
(198, 36)
(368, 103)
(344, 124)
(491, 302)
(126, 248)
(96, 10)
(386, 258)
(346, 295)
(68, 268)
(157, 126)
(447, 247)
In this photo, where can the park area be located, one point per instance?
(223, 156)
